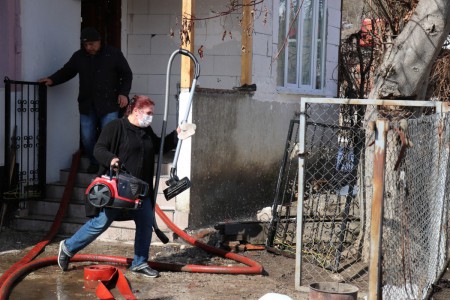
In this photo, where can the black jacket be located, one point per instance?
(102, 77)
(135, 147)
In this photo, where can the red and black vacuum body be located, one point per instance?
(120, 191)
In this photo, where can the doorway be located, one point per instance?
(105, 16)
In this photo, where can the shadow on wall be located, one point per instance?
(236, 155)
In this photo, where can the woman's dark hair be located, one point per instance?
(138, 101)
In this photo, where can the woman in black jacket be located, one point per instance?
(131, 142)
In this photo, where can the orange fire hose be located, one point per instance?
(27, 264)
(102, 277)
(56, 223)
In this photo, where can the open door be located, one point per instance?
(105, 16)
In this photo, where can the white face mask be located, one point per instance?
(145, 121)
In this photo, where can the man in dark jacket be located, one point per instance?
(104, 84)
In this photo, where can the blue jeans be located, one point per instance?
(143, 218)
(88, 128)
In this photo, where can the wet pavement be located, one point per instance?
(52, 283)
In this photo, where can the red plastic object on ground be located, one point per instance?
(101, 278)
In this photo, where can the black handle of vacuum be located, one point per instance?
(110, 173)
(173, 174)
(197, 65)
(145, 191)
(162, 237)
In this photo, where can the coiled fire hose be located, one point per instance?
(27, 264)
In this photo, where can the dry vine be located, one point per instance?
(439, 85)
(233, 6)
(357, 64)
(291, 24)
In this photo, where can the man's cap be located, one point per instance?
(89, 34)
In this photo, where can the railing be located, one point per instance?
(25, 140)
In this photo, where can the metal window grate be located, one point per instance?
(25, 140)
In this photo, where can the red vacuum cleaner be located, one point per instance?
(120, 191)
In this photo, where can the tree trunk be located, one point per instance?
(407, 64)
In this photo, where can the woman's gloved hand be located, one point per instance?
(115, 163)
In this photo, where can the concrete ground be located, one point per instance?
(51, 283)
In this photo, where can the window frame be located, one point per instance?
(298, 87)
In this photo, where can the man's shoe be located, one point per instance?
(63, 258)
(145, 270)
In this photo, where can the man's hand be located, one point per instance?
(46, 80)
(122, 101)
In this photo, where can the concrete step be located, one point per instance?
(56, 190)
(39, 215)
(165, 164)
(76, 208)
(50, 207)
(125, 230)
(118, 231)
(43, 223)
(84, 179)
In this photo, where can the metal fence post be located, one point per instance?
(7, 130)
(42, 143)
(381, 128)
(301, 170)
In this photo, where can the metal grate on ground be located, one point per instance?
(25, 141)
(282, 229)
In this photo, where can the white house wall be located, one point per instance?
(149, 45)
(265, 49)
(241, 137)
(50, 34)
(2, 128)
(333, 42)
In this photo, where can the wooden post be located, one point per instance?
(187, 66)
(247, 42)
(376, 224)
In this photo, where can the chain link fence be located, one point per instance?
(333, 214)
(415, 220)
(335, 147)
